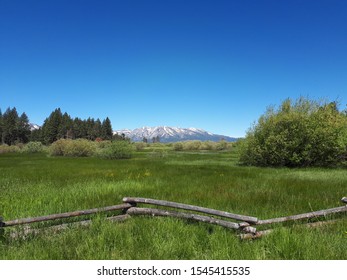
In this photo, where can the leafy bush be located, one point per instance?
(196, 145)
(57, 148)
(140, 146)
(33, 147)
(117, 150)
(79, 148)
(304, 133)
(103, 144)
(73, 148)
(8, 149)
(221, 145)
(178, 146)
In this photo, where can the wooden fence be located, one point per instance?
(246, 225)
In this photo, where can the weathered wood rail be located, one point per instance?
(65, 215)
(135, 200)
(246, 224)
(309, 215)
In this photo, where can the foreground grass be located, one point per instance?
(33, 185)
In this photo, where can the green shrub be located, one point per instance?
(192, 145)
(103, 144)
(57, 148)
(304, 133)
(73, 148)
(140, 146)
(33, 147)
(221, 145)
(178, 146)
(207, 145)
(8, 149)
(80, 148)
(117, 150)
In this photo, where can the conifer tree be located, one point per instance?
(106, 129)
(23, 129)
(10, 132)
(50, 128)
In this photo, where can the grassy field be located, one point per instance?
(35, 185)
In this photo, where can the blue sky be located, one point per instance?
(213, 64)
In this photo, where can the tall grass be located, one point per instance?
(34, 184)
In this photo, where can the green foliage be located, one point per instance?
(106, 129)
(72, 148)
(117, 150)
(4, 149)
(178, 146)
(35, 185)
(196, 145)
(140, 146)
(34, 147)
(222, 145)
(303, 133)
(62, 126)
(13, 128)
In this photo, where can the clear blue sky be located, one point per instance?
(213, 64)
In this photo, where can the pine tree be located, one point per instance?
(106, 129)
(65, 129)
(50, 128)
(79, 128)
(10, 132)
(23, 129)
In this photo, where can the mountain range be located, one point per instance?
(171, 134)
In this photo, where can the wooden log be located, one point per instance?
(189, 216)
(344, 199)
(66, 215)
(261, 233)
(238, 217)
(27, 230)
(309, 215)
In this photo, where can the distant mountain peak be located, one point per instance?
(171, 134)
(34, 126)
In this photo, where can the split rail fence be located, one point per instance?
(246, 225)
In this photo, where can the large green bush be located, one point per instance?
(33, 147)
(9, 149)
(117, 150)
(300, 133)
(73, 148)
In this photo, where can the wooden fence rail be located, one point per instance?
(66, 215)
(204, 210)
(129, 206)
(189, 216)
(309, 215)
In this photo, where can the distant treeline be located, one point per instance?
(15, 128)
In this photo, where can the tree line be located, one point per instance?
(15, 128)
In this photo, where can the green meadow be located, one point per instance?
(36, 185)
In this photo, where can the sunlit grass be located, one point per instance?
(34, 185)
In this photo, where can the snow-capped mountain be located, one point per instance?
(34, 126)
(171, 134)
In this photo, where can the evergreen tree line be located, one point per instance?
(16, 129)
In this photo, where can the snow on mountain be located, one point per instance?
(33, 126)
(171, 134)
